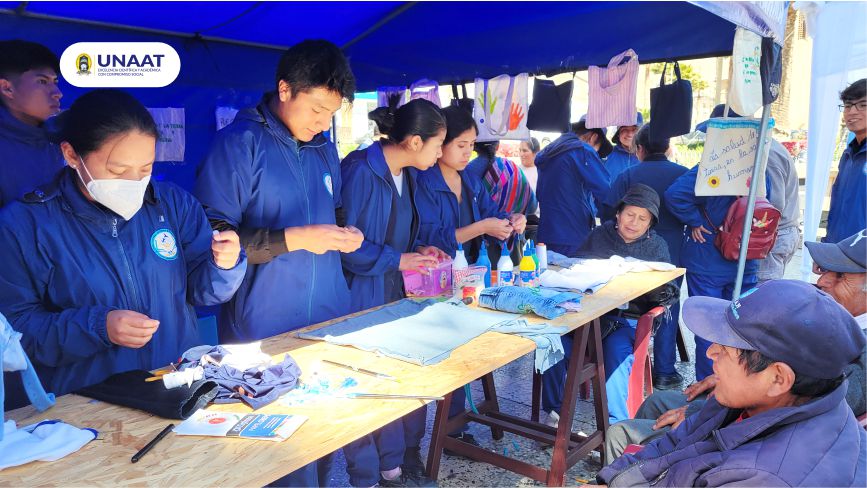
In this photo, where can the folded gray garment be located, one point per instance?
(419, 332)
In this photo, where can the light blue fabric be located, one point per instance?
(549, 346)
(421, 333)
(544, 303)
(9, 339)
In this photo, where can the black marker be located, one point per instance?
(152, 443)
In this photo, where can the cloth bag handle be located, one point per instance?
(676, 72)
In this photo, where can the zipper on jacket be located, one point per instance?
(123, 256)
(304, 177)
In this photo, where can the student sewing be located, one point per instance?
(454, 206)
(379, 198)
(102, 267)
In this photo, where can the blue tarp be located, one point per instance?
(229, 50)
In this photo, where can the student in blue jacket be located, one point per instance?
(272, 176)
(102, 267)
(623, 154)
(379, 198)
(657, 172)
(572, 179)
(28, 96)
(454, 206)
(848, 212)
(708, 273)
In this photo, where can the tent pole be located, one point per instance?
(758, 169)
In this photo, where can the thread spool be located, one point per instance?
(181, 378)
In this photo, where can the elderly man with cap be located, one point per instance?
(631, 234)
(623, 156)
(778, 416)
(842, 270)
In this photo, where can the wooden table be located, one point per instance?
(200, 461)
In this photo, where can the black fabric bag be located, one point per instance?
(464, 102)
(671, 107)
(771, 69)
(130, 389)
(551, 107)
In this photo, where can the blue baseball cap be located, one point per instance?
(789, 321)
(717, 112)
(846, 256)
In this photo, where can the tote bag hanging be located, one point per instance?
(383, 94)
(745, 95)
(426, 90)
(500, 108)
(551, 108)
(464, 101)
(671, 107)
(612, 92)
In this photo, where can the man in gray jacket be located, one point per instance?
(778, 416)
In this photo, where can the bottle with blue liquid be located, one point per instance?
(485, 261)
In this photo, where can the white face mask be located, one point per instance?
(123, 197)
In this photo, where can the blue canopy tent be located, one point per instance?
(229, 50)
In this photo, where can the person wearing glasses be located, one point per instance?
(848, 212)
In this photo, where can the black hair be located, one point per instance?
(100, 114)
(650, 145)
(487, 150)
(804, 386)
(458, 121)
(533, 144)
(17, 56)
(418, 117)
(316, 64)
(580, 128)
(854, 92)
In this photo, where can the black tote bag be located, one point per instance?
(463, 102)
(551, 107)
(671, 107)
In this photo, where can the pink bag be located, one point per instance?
(612, 92)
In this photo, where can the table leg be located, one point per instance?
(536, 404)
(574, 378)
(491, 398)
(440, 431)
(600, 395)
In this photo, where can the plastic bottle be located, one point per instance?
(460, 263)
(527, 267)
(542, 255)
(535, 257)
(505, 268)
(485, 261)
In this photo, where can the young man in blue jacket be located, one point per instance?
(272, 176)
(28, 96)
(848, 212)
(571, 176)
(778, 416)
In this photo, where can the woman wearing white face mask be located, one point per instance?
(102, 267)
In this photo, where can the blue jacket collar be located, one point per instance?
(567, 142)
(376, 160)
(16, 129)
(735, 434)
(263, 114)
(656, 157)
(437, 181)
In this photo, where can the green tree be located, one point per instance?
(686, 72)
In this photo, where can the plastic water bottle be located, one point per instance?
(505, 268)
(527, 269)
(485, 261)
(459, 263)
(542, 255)
(535, 257)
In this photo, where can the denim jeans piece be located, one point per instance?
(423, 333)
(545, 303)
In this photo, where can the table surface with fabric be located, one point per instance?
(332, 423)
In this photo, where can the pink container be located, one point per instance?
(438, 282)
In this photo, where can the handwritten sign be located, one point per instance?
(726, 166)
(225, 116)
(172, 128)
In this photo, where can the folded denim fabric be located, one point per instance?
(549, 345)
(544, 303)
(129, 389)
(422, 333)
